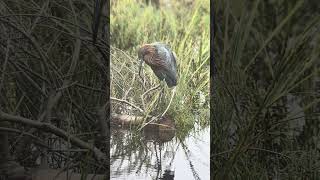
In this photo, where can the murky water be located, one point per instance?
(160, 155)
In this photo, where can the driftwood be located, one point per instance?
(164, 123)
(162, 130)
(126, 120)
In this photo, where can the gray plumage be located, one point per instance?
(162, 61)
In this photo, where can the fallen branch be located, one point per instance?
(55, 130)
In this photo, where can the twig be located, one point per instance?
(150, 122)
(67, 86)
(142, 96)
(126, 102)
(154, 88)
(173, 93)
(91, 88)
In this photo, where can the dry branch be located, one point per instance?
(55, 130)
(126, 102)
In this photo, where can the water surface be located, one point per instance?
(160, 155)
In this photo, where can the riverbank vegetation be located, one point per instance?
(184, 26)
(265, 102)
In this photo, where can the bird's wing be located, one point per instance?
(169, 57)
(173, 58)
(164, 54)
(170, 67)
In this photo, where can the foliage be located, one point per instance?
(266, 52)
(52, 73)
(186, 29)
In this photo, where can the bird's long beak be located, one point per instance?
(140, 66)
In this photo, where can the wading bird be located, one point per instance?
(162, 62)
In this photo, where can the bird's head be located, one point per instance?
(142, 51)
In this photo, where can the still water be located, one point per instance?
(160, 155)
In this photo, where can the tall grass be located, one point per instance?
(264, 55)
(185, 28)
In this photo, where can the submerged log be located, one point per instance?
(126, 120)
(162, 130)
(163, 123)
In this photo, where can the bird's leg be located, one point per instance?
(172, 95)
(154, 88)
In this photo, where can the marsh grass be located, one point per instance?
(185, 28)
(265, 51)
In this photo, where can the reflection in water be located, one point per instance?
(157, 153)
